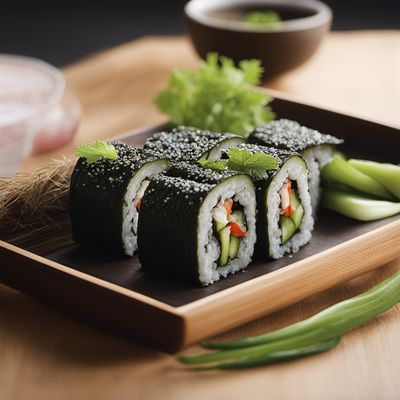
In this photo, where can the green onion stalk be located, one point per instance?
(295, 339)
(277, 357)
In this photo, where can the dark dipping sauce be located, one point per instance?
(287, 12)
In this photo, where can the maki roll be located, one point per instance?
(106, 195)
(191, 144)
(316, 148)
(200, 231)
(285, 220)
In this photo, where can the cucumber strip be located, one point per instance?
(233, 247)
(288, 228)
(218, 225)
(294, 199)
(358, 207)
(297, 216)
(339, 170)
(387, 175)
(238, 217)
(224, 239)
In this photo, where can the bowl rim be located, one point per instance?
(194, 10)
(54, 97)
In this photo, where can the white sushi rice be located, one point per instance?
(316, 157)
(216, 151)
(240, 189)
(130, 214)
(296, 170)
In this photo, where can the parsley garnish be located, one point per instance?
(96, 151)
(219, 165)
(242, 160)
(217, 96)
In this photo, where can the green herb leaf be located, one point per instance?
(95, 151)
(217, 96)
(219, 165)
(263, 19)
(256, 164)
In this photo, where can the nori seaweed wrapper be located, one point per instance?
(290, 135)
(97, 193)
(168, 225)
(186, 143)
(261, 186)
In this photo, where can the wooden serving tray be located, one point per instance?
(117, 295)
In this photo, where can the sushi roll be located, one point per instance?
(316, 148)
(191, 144)
(200, 231)
(105, 198)
(285, 221)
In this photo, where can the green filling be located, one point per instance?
(290, 225)
(224, 238)
(234, 247)
(229, 243)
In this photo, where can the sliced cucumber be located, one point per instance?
(294, 199)
(218, 225)
(297, 216)
(238, 217)
(234, 247)
(288, 228)
(224, 240)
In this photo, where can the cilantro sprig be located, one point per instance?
(218, 96)
(95, 151)
(241, 160)
(219, 165)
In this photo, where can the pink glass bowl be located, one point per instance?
(35, 113)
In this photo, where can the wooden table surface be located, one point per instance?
(45, 355)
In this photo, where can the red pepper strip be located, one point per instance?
(236, 230)
(139, 203)
(287, 212)
(228, 206)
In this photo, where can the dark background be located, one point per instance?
(62, 31)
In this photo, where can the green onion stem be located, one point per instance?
(280, 356)
(334, 321)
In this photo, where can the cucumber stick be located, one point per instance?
(340, 171)
(387, 175)
(238, 217)
(233, 247)
(224, 239)
(297, 216)
(289, 225)
(288, 228)
(219, 225)
(358, 207)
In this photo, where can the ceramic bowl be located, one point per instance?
(218, 26)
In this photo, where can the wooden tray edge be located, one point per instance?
(88, 299)
(252, 299)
